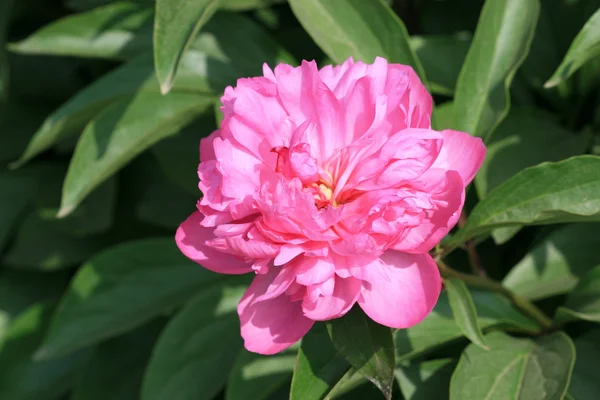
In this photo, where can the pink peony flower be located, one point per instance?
(331, 186)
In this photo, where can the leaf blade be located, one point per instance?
(359, 29)
(367, 346)
(464, 311)
(584, 48)
(482, 99)
(175, 25)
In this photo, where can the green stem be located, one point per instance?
(521, 303)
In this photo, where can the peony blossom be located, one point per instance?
(330, 186)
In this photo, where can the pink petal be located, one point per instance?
(461, 152)
(408, 296)
(273, 325)
(191, 238)
(445, 189)
(345, 294)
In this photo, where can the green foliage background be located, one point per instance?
(102, 106)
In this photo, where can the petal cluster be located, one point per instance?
(330, 186)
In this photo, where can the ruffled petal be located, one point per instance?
(270, 326)
(191, 238)
(406, 295)
(461, 152)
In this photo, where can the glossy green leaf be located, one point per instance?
(231, 46)
(120, 30)
(175, 26)
(555, 265)
(319, 366)
(200, 345)
(443, 116)
(357, 28)
(84, 5)
(585, 384)
(368, 347)
(116, 367)
(427, 380)
(439, 328)
(584, 301)
(584, 48)
(525, 138)
(39, 245)
(464, 311)
(122, 132)
(515, 369)
(257, 377)
(565, 191)
(430, 49)
(21, 376)
(499, 47)
(120, 289)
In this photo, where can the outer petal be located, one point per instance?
(270, 326)
(461, 152)
(446, 190)
(191, 238)
(344, 295)
(407, 296)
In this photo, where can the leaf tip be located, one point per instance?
(551, 83)
(65, 210)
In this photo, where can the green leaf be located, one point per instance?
(585, 384)
(18, 188)
(430, 49)
(84, 5)
(244, 5)
(116, 367)
(565, 191)
(525, 138)
(175, 25)
(19, 290)
(584, 301)
(368, 347)
(165, 204)
(584, 48)
(120, 289)
(120, 133)
(464, 311)
(200, 345)
(21, 376)
(319, 366)
(178, 155)
(53, 249)
(259, 377)
(95, 214)
(515, 369)
(231, 46)
(555, 265)
(439, 328)
(500, 45)
(18, 122)
(357, 28)
(443, 116)
(119, 31)
(427, 380)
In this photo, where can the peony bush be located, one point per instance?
(303, 199)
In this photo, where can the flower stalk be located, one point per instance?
(521, 303)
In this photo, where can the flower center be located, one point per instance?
(322, 195)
